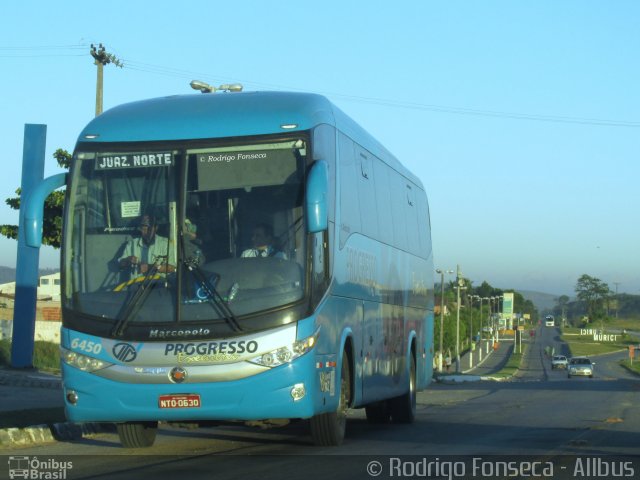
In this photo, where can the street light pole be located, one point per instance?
(471, 350)
(496, 318)
(470, 297)
(488, 327)
(494, 327)
(441, 272)
(479, 348)
(459, 281)
(498, 315)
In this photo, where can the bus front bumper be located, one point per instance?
(286, 391)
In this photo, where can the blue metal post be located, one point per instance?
(24, 313)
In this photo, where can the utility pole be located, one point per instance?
(617, 300)
(441, 272)
(471, 349)
(101, 59)
(459, 282)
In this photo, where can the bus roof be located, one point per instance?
(205, 116)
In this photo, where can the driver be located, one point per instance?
(141, 253)
(263, 243)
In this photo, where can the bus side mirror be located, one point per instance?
(316, 202)
(34, 208)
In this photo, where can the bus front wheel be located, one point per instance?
(403, 408)
(327, 429)
(137, 434)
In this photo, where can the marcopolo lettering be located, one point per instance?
(135, 160)
(196, 332)
(211, 348)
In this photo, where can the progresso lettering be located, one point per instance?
(361, 267)
(211, 348)
(134, 160)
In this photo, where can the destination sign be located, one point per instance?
(134, 160)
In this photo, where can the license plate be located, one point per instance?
(179, 401)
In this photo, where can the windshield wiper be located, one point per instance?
(213, 295)
(132, 306)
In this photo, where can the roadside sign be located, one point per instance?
(632, 351)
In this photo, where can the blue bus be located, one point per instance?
(242, 257)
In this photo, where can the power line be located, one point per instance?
(491, 113)
(39, 55)
(169, 71)
(41, 51)
(143, 67)
(45, 47)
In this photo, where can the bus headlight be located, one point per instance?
(288, 353)
(82, 362)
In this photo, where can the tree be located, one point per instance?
(523, 306)
(52, 221)
(561, 306)
(592, 291)
(486, 290)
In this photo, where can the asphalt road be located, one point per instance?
(540, 414)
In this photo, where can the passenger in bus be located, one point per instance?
(192, 244)
(142, 252)
(263, 243)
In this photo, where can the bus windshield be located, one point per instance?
(162, 235)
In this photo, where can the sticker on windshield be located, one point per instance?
(134, 160)
(130, 209)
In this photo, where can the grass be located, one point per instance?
(513, 364)
(580, 345)
(46, 355)
(632, 367)
(623, 323)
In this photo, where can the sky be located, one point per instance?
(521, 118)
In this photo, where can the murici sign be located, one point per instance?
(598, 335)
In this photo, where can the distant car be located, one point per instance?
(580, 366)
(559, 361)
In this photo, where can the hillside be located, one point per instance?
(543, 301)
(8, 274)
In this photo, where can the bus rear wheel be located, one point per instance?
(137, 434)
(327, 429)
(403, 408)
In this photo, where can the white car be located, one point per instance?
(580, 366)
(559, 361)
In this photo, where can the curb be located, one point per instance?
(16, 378)
(17, 437)
(43, 434)
(452, 379)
